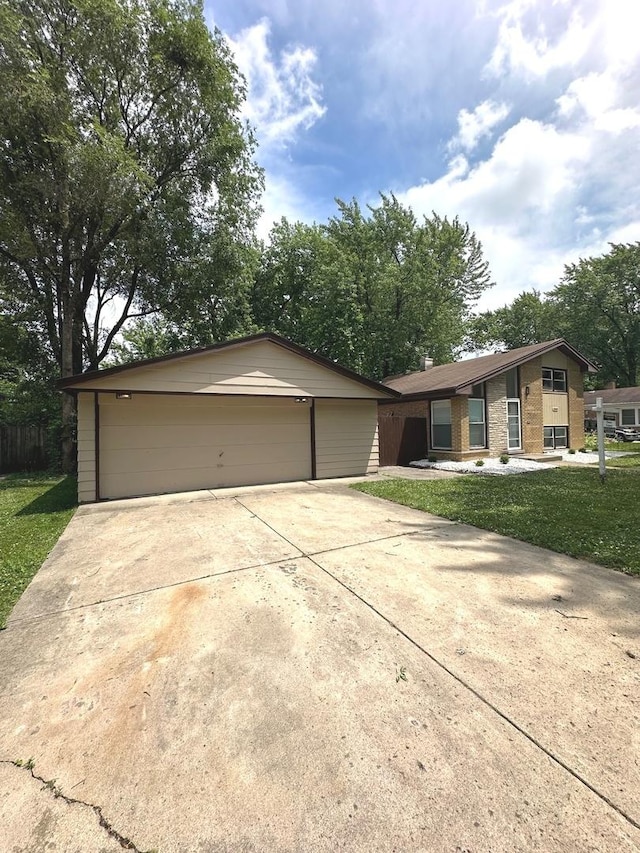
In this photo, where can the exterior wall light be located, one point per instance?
(123, 395)
(526, 390)
(300, 400)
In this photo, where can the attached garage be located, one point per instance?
(250, 411)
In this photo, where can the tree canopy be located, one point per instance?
(127, 183)
(596, 307)
(372, 291)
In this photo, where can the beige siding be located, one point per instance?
(153, 444)
(555, 409)
(346, 438)
(86, 449)
(261, 368)
(556, 359)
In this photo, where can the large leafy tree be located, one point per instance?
(127, 183)
(530, 319)
(372, 291)
(598, 309)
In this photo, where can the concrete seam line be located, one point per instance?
(49, 784)
(21, 621)
(463, 683)
(485, 701)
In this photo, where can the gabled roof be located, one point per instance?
(458, 377)
(614, 396)
(85, 379)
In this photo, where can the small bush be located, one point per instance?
(479, 463)
(504, 458)
(582, 450)
(432, 458)
(572, 450)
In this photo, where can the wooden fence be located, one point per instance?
(402, 440)
(23, 448)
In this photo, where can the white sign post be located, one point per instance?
(600, 425)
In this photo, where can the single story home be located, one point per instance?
(524, 401)
(253, 410)
(621, 406)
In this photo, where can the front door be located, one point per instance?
(513, 425)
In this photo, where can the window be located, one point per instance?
(554, 380)
(556, 437)
(512, 383)
(441, 424)
(628, 417)
(477, 432)
(477, 390)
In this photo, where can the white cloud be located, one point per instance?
(474, 125)
(529, 48)
(596, 98)
(283, 99)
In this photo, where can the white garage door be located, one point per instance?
(152, 444)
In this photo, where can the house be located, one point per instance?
(253, 410)
(525, 401)
(621, 407)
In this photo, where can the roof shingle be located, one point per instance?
(453, 378)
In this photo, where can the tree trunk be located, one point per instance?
(68, 400)
(68, 433)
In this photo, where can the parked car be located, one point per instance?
(626, 434)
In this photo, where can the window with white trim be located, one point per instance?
(554, 379)
(628, 417)
(477, 426)
(441, 424)
(556, 437)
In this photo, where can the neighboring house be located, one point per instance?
(524, 401)
(254, 410)
(621, 405)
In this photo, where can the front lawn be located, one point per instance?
(34, 510)
(624, 461)
(564, 509)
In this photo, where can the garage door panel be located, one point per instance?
(215, 457)
(151, 446)
(200, 435)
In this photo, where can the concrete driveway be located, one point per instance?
(308, 668)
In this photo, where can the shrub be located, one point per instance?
(572, 450)
(432, 458)
(582, 450)
(479, 463)
(504, 458)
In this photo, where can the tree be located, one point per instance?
(373, 292)
(598, 306)
(529, 319)
(127, 183)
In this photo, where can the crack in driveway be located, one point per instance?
(58, 794)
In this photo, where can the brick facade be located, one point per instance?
(496, 397)
(531, 406)
(532, 417)
(575, 382)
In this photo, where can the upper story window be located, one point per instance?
(554, 379)
(512, 383)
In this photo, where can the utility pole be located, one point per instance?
(600, 425)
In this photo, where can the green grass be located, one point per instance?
(624, 461)
(565, 509)
(34, 510)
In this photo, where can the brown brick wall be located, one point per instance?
(531, 405)
(575, 381)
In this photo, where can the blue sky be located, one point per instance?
(521, 117)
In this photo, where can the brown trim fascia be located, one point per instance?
(293, 396)
(312, 425)
(81, 378)
(96, 442)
